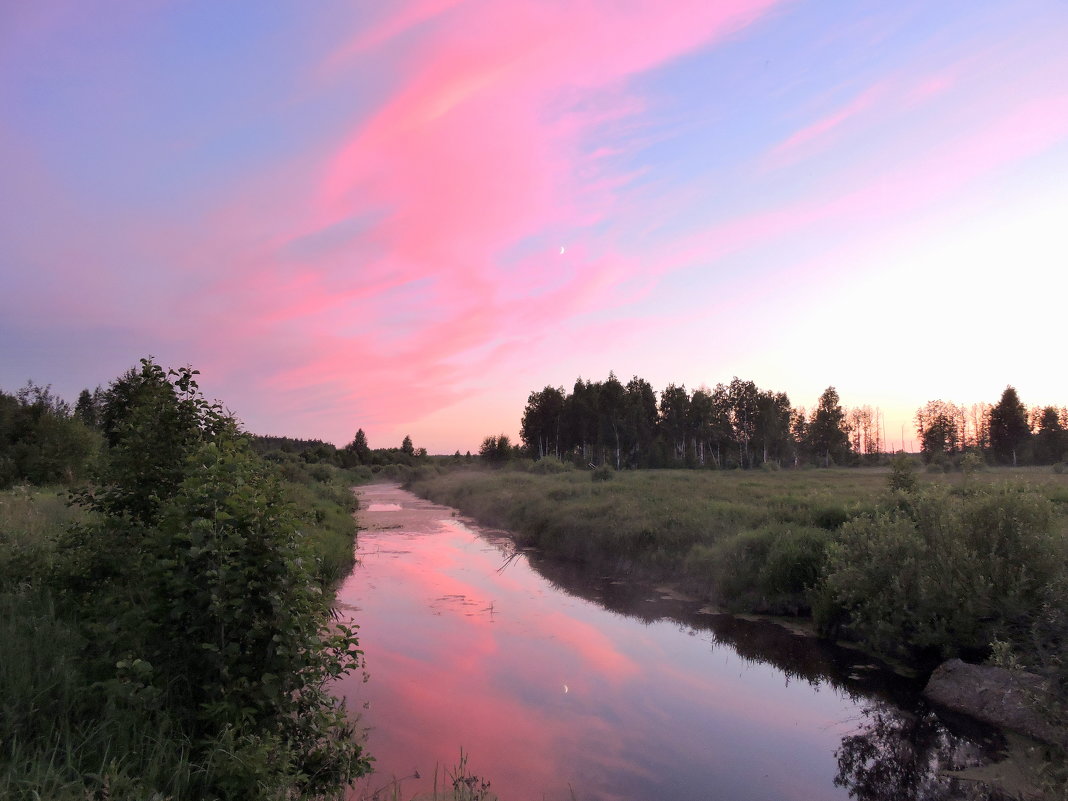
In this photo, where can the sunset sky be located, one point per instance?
(405, 216)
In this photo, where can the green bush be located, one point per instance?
(604, 472)
(201, 593)
(770, 569)
(548, 465)
(903, 474)
(941, 574)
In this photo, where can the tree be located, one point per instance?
(772, 428)
(496, 450)
(936, 426)
(581, 422)
(1051, 439)
(743, 401)
(89, 407)
(41, 442)
(541, 427)
(675, 419)
(358, 449)
(1009, 431)
(641, 414)
(611, 409)
(153, 421)
(828, 438)
(407, 447)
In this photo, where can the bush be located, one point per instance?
(604, 472)
(200, 592)
(770, 569)
(941, 575)
(903, 474)
(971, 463)
(548, 465)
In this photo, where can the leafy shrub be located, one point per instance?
(903, 474)
(770, 569)
(548, 465)
(201, 593)
(1060, 467)
(941, 574)
(830, 516)
(604, 472)
(971, 463)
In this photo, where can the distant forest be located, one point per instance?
(43, 439)
(740, 425)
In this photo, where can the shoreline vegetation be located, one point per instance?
(166, 623)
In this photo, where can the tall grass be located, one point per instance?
(677, 524)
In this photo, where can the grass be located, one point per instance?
(651, 521)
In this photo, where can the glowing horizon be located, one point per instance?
(407, 218)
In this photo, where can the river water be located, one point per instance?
(559, 685)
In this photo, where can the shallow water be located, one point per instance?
(557, 683)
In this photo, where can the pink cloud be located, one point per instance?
(496, 135)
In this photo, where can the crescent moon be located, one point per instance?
(561, 250)
(565, 688)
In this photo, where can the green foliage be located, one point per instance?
(903, 474)
(770, 569)
(153, 425)
(41, 442)
(941, 574)
(496, 450)
(198, 588)
(548, 465)
(604, 472)
(972, 463)
(827, 438)
(1009, 430)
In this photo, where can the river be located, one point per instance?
(558, 685)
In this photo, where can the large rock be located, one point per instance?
(1011, 699)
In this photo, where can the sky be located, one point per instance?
(406, 216)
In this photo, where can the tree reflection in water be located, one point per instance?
(899, 756)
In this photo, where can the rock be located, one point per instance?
(1010, 699)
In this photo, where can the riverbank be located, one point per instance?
(951, 568)
(558, 679)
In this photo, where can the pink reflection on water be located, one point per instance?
(463, 654)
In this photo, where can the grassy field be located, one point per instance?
(803, 541)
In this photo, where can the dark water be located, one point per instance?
(559, 685)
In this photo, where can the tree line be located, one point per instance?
(731, 425)
(1007, 432)
(741, 425)
(45, 440)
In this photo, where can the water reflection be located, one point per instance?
(556, 684)
(898, 755)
